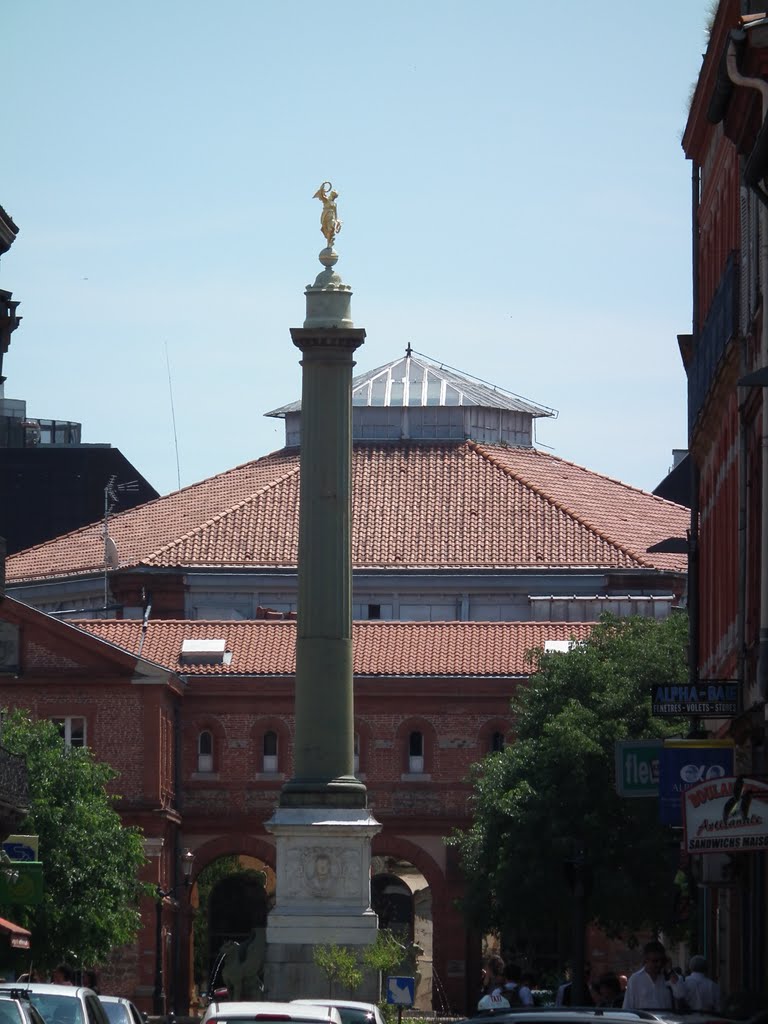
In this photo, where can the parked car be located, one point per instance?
(16, 1009)
(120, 1010)
(61, 1004)
(224, 1012)
(350, 1010)
(592, 1015)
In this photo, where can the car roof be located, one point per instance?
(565, 1014)
(353, 1004)
(45, 988)
(311, 1012)
(114, 999)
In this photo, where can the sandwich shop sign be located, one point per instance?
(726, 815)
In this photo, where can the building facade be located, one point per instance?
(726, 357)
(197, 719)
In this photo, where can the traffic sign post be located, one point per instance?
(400, 993)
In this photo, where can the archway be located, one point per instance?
(234, 895)
(402, 899)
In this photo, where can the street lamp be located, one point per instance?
(158, 999)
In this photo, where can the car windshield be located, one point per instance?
(56, 1009)
(9, 1012)
(355, 1015)
(117, 1013)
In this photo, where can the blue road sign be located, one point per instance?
(400, 991)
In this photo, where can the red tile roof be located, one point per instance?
(267, 648)
(453, 506)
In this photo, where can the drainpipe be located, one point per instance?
(762, 86)
(694, 603)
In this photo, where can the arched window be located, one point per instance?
(205, 751)
(497, 742)
(416, 753)
(269, 761)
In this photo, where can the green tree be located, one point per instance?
(553, 789)
(90, 860)
(339, 964)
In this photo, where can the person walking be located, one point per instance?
(648, 988)
(607, 991)
(698, 990)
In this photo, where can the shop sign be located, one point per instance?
(684, 763)
(726, 815)
(27, 889)
(637, 767)
(22, 847)
(709, 698)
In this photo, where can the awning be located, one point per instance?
(20, 937)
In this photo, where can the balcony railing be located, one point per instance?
(719, 329)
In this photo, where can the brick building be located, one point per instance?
(726, 359)
(470, 547)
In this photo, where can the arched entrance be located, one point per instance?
(402, 899)
(234, 896)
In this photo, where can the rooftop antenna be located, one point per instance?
(110, 550)
(112, 494)
(173, 418)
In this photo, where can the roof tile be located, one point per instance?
(267, 648)
(445, 505)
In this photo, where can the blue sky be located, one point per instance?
(514, 197)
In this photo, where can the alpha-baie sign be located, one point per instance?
(726, 815)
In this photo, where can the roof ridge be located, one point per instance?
(221, 515)
(479, 447)
(144, 505)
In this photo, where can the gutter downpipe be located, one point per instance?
(693, 539)
(762, 658)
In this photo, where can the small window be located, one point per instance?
(416, 753)
(269, 761)
(205, 752)
(72, 730)
(357, 753)
(374, 611)
(497, 742)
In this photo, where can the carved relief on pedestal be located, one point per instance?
(322, 872)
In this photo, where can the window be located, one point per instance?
(71, 729)
(497, 742)
(205, 752)
(374, 611)
(357, 753)
(269, 761)
(416, 753)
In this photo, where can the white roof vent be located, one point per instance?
(558, 646)
(204, 652)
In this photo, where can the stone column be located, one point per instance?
(323, 772)
(322, 829)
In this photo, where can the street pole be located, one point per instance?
(579, 927)
(158, 999)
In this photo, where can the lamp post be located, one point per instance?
(158, 999)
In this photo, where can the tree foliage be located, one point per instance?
(90, 860)
(553, 789)
(339, 964)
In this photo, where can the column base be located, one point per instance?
(322, 895)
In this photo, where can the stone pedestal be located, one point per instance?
(323, 896)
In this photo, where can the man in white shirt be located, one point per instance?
(647, 989)
(698, 990)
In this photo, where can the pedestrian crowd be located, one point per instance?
(655, 986)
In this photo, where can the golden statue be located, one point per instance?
(330, 225)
